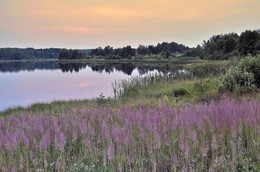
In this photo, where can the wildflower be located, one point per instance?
(45, 141)
(57, 165)
(111, 151)
(60, 141)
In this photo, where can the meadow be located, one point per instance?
(170, 122)
(218, 136)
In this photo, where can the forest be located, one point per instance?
(218, 47)
(128, 51)
(28, 53)
(223, 47)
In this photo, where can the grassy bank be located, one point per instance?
(29, 60)
(147, 59)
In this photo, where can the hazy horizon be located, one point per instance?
(84, 24)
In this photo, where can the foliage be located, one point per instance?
(223, 47)
(71, 54)
(243, 77)
(219, 47)
(128, 52)
(220, 136)
(209, 69)
(101, 100)
(124, 86)
(201, 86)
(28, 53)
(180, 92)
(249, 42)
(252, 65)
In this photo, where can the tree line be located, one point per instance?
(71, 54)
(223, 47)
(129, 52)
(28, 53)
(48, 53)
(218, 47)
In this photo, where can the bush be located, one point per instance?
(243, 77)
(252, 65)
(180, 92)
(208, 69)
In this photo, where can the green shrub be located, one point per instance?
(244, 77)
(252, 65)
(180, 92)
(208, 69)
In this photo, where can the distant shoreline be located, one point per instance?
(123, 60)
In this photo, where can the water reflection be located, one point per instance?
(126, 68)
(28, 66)
(24, 83)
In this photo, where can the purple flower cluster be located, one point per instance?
(159, 138)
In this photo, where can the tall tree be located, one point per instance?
(248, 42)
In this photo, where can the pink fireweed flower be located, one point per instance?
(13, 169)
(110, 151)
(214, 144)
(57, 165)
(45, 141)
(104, 130)
(157, 140)
(31, 155)
(91, 130)
(60, 141)
(9, 141)
(175, 160)
(74, 136)
(118, 134)
(83, 127)
(21, 163)
(88, 143)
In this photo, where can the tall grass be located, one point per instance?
(220, 136)
(200, 73)
(120, 87)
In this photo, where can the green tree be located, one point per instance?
(142, 50)
(248, 42)
(108, 50)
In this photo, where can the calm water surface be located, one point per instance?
(22, 84)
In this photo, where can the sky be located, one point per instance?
(92, 23)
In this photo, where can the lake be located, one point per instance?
(24, 83)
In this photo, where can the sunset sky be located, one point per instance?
(93, 23)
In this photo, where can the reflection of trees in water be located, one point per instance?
(72, 67)
(111, 67)
(126, 68)
(97, 68)
(163, 68)
(28, 66)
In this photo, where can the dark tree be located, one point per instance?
(152, 49)
(108, 50)
(142, 50)
(28, 53)
(248, 42)
(71, 54)
(127, 51)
